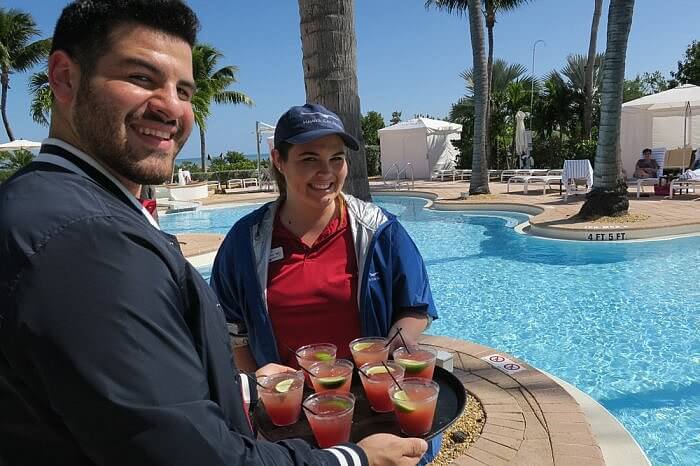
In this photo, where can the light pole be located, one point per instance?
(532, 90)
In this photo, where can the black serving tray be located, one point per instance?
(451, 402)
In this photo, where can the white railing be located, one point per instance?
(398, 176)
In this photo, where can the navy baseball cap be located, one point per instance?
(309, 122)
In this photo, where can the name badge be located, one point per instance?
(276, 254)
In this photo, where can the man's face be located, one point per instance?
(133, 112)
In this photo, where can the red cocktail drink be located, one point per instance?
(369, 349)
(376, 380)
(282, 396)
(414, 404)
(309, 354)
(331, 375)
(331, 418)
(418, 362)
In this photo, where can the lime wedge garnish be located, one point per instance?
(284, 386)
(411, 366)
(332, 382)
(340, 405)
(402, 402)
(362, 346)
(378, 370)
(323, 356)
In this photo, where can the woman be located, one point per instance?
(317, 265)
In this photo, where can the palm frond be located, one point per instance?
(42, 98)
(458, 7)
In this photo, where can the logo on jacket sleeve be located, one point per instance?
(373, 276)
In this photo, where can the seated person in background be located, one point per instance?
(646, 167)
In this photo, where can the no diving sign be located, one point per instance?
(503, 364)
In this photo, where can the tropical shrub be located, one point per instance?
(372, 156)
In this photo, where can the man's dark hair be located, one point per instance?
(84, 28)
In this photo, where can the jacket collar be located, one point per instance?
(60, 153)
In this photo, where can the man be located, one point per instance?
(98, 365)
(646, 167)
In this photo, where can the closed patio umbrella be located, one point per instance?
(520, 136)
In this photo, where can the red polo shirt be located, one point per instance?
(312, 290)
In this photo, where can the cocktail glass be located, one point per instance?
(376, 380)
(414, 404)
(309, 354)
(369, 349)
(418, 362)
(281, 396)
(331, 418)
(331, 375)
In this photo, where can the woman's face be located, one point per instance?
(315, 172)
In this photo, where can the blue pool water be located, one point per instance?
(620, 321)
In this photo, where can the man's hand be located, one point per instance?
(390, 450)
(272, 369)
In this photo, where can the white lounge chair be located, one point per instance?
(658, 154)
(450, 173)
(575, 172)
(463, 174)
(234, 183)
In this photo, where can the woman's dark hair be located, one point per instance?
(83, 30)
(646, 151)
(283, 149)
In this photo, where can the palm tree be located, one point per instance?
(510, 92)
(590, 62)
(329, 60)
(17, 54)
(212, 86)
(609, 193)
(491, 8)
(480, 171)
(42, 98)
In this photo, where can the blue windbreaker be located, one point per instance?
(392, 275)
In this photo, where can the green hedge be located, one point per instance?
(372, 157)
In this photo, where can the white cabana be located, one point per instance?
(18, 144)
(668, 119)
(423, 142)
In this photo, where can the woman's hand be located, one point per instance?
(272, 369)
(412, 325)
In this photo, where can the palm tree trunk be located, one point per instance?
(609, 194)
(590, 65)
(330, 74)
(203, 148)
(480, 171)
(490, 23)
(5, 84)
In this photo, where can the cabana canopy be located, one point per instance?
(423, 142)
(669, 119)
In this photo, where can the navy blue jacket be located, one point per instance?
(392, 275)
(113, 350)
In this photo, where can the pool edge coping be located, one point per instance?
(541, 230)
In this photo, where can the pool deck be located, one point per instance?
(531, 419)
(551, 216)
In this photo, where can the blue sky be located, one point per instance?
(409, 59)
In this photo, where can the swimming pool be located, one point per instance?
(618, 320)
